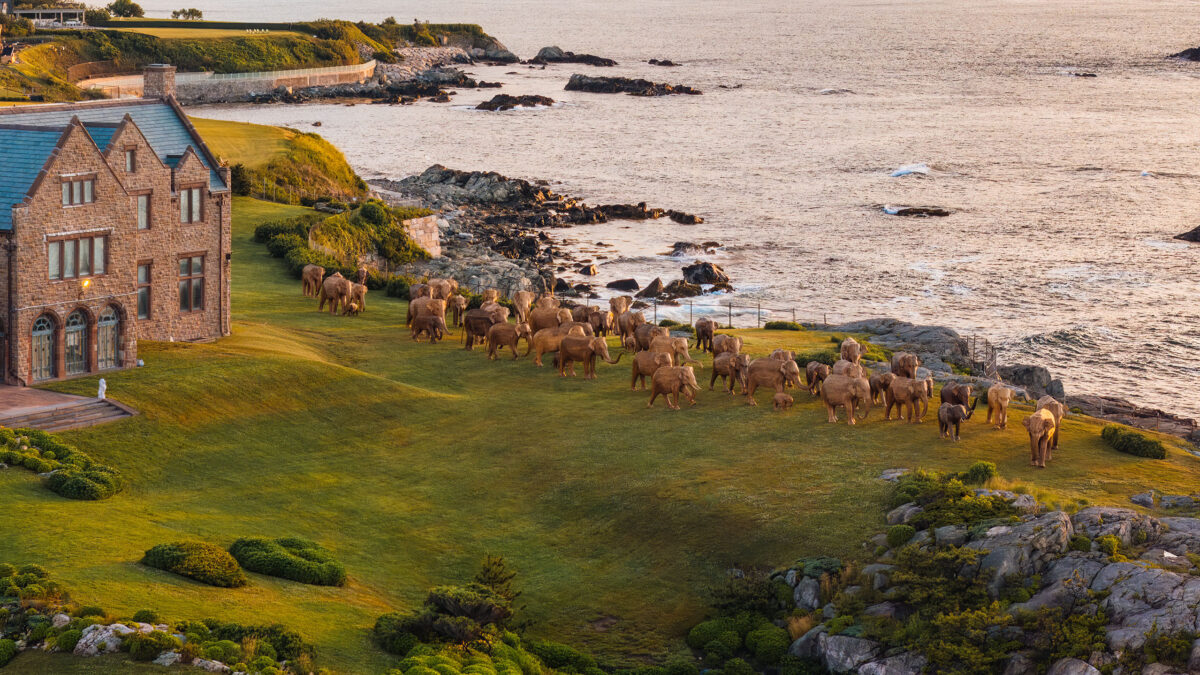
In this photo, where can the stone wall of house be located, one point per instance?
(424, 231)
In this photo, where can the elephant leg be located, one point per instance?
(850, 411)
(712, 381)
(653, 395)
(750, 392)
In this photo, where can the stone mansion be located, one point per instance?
(115, 225)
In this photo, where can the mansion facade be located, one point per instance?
(115, 226)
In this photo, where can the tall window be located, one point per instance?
(76, 343)
(43, 348)
(143, 291)
(191, 205)
(191, 284)
(76, 192)
(143, 212)
(83, 257)
(108, 339)
(130, 161)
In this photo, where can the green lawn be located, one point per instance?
(251, 144)
(413, 461)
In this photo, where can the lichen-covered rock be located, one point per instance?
(211, 666)
(1025, 548)
(1069, 575)
(1140, 598)
(1072, 667)
(908, 663)
(903, 513)
(59, 620)
(1097, 521)
(1182, 536)
(167, 659)
(1144, 499)
(807, 595)
(805, 646)
(99, 639)
(950, 535)
(844, 654)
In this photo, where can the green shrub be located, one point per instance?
(95, 483)
(197, 560)
(90, 610)
(768, 644)
(67, 639)
(947, 501)
(287, 644)
(147, 646)
(815, 567)
(298, 226)
(716, 653)
(1130, 442)
(280, 244)
(8, 649)
(290, 558)
(899, 535)
(226, 651)
(794, 665)
(783, 325)
(559, 656)
(145, 616)
(979, 473)
(1111, 547)
(707, 631)
(826, 356)
(967, 641)
(1080, 542)
(737, 667)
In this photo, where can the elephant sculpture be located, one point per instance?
(770, 373)
(957, 393)
(851, 350)
(998, 398)
(457, 305)
(336, 291)
(628, 321)
(629, 344)
(783, 401)
(440, 288)
(522, 301)
(847, 368)
(676, 347)
(646, 333)
(705, 329)
(599, 321)
(543, 317)
(905, 364)
(490, 295)
(580, 312)
(847, 392)
(620, 304)
(585, 349)
(507, 335)
(495, 309)
(879, 385)
(476, 324)
(950, 418)
(726, 343)
(360, 275)
(547, 301)
(910, 393)
(1042, 429)
(310, 280)
(673, 380)
(644, 364)
(814, 374)
(426, 307)
(731, 368)
(547, 340)
(582, 325)
(434, 326)
(1057, 409)
(419, 291)
(358, 300)
(783, 355)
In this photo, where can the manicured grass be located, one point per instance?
(410, 462)
(205, 33)
(251, 144)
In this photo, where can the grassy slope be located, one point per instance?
(254, 145)
(412, 461)
(202, 33)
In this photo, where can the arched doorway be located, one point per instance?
(76, 343)
(43, 349)
(108, 339)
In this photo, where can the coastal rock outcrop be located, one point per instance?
(916, 211)
(1190, 54)
(704, 273)
(502, 102)
(683, 249)
(667, 63)
(1191, 235)
(625, 85)
(557, 55)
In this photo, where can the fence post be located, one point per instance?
(758, 317)
(793, 315)
(690, 320)
(730, 307)
(655, 311)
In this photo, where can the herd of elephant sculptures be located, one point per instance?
(578, 335)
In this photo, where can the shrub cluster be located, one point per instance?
(946, 500)
(197, 560)
(749, 634)
(290, 558)
(783, 325)
(72, 473)
(826, 356)
(8, 650)
(147, 646)
(27, 582)
(1130, 442)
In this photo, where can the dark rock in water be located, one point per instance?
(623, 285)
(629, 211)
(318, 124)
(1193, 236)
(441, 98)
(682, 289)
(684, 218)
(506, 102)
(655, 289)
(917, 211)
(581, 288)
(625, 85)
(561, 286)
(705, 273)
(489, 85)
(663, 62)
(1192, 54)
(557, 55)
(1083, 75)
(589, 270)
(683, 249)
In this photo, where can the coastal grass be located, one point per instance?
(253, 145)
(410, 462)
(202, 33)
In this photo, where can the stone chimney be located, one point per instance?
(159, 81)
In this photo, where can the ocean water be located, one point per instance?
(1065, 190)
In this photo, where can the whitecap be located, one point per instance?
(1166, 245)
(908, 169)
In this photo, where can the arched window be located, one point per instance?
(108, 339)
(43, 349)
(76, 343)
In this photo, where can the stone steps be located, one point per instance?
(67, 416)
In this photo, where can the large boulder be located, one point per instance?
(844, 654)
(623, 285)
(704, 273)
(908, 663)
(99, 639)
(1072, 667)
(1140, 598)
(807, 595)
(1182, 535)
(1097, 521)
(1023, 549)
(653, 290)
(806, 646)
(1190, 235)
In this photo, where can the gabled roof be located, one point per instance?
(24, 131)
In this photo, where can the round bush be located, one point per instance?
(8, 649)
(768, 643)
(97, 482)
(979, 473)
(290, 558)
(147, 646)
(67, 640)
(707, 631)
(280, 244)
(89, 610)
(197, 560)
(145, 616)
(899, 535)
(737, 667)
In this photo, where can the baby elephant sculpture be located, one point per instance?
(847, 392)
(645, 364)
(705, 329)
(814, 374)
(879, 386)
(950, 416)
(358, 300)
(310, 280)
(1058, 410)
(1041, 428)
(586, 349)
(905, 364)
(731, 368)
(507, 335)
(851, 350)
(673, 380)
(910, 393)
(522, 301)
(783, 401)
(434, 326)
(457, 305)
(998, 398)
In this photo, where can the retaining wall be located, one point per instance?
(193, 88)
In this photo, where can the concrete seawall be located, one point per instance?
(194, 88)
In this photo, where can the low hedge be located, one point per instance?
(826, 356)
(8, 649)
(1130, 442)
(290, 558)
(72, 473)
(206, 563)
(782, 325)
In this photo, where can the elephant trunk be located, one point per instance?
(974, 403)
(612, 360)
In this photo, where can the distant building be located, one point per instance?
(115, 226)
(45, 16)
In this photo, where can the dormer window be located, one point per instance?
(191, 205)
(78, 191)
(130, 160)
